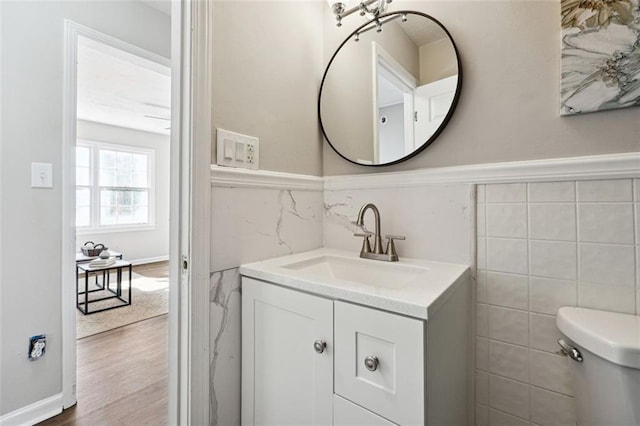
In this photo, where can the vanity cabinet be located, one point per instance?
(286, 380)
(308, 359)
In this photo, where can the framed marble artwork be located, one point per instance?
(600, 55)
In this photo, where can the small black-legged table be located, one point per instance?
(83, 302)
(81, 258)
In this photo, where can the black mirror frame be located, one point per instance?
(440, 128)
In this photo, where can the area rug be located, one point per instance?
(150, 298)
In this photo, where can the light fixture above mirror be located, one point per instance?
(369, 8)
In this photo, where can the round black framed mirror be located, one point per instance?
(390, 89)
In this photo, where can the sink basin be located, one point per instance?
(411, 287)
(361, 271)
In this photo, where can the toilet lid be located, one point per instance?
(610, 335)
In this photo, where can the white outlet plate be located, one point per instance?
(237, 150)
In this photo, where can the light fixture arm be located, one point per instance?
(365, 7)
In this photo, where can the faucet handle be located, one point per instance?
(365, 234)
(391, 247)
(366, 246)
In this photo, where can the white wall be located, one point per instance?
(31, 106)
(144, 245)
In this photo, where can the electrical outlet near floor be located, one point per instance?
(37, 346)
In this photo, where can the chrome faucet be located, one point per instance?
(377, 253)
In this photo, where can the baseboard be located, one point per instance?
(34, 413)
(146, 260)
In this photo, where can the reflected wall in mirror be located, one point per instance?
(386, 95)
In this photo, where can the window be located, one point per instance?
(113, 187)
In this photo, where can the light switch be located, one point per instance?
(240, 152)
(228, 149)
(41, 175)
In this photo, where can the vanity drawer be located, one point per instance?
(346, 413)
(379, 362)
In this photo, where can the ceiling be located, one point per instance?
(121, 89)
(422, 30)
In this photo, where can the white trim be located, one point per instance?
(227, 177)
(112, 42)
(190, 210)
(114, 229)
(611, 166)
(34, 413)
(68, 249)
(179, 138)
(146, 260)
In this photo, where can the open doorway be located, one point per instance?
(120, 209)
(122, 185)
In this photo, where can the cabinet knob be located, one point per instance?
(371, 362)
(319, 346)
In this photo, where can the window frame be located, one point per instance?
(94, 165)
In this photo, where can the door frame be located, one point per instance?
(384, 62)
(189, 209)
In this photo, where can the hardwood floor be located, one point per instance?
(153, 270)
(122, 373)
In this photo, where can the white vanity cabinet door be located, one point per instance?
(284, 380)
(395, 389)
(346, 413)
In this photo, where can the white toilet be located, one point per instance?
(605, 348)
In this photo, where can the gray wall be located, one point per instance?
(266, 75)
(31, 107)
(509, 108)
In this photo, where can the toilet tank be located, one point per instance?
(606, 381)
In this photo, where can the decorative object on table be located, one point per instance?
(90, 249)
(104, 254)
(600, 55)
(101, 261)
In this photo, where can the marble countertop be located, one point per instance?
(411, 287)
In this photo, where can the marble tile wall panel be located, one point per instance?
(247, 225)
(251, 224)
(542, 246)
(436, 219)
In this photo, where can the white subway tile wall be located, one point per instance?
(542, 246)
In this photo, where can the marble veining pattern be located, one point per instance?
(254, 224)
(225, 347)
(247, 225)
(436, 220)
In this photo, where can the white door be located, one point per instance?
(432, 102)
(285, 380)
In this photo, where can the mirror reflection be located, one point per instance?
(387, 94)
